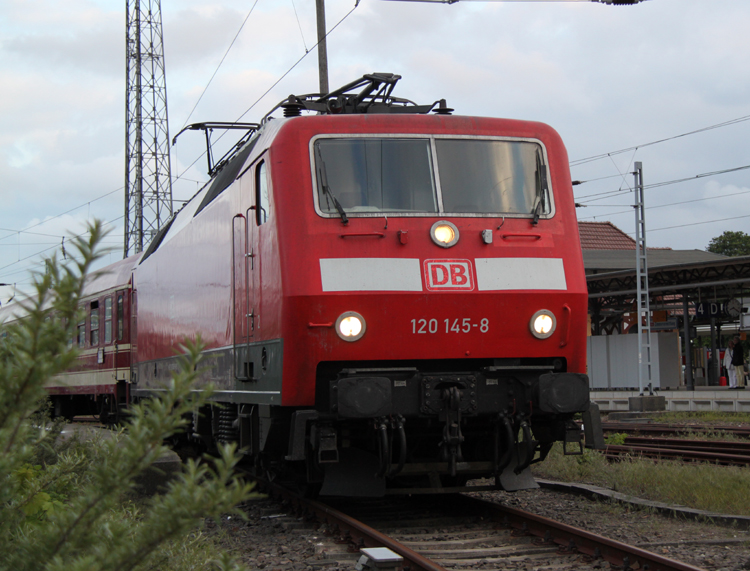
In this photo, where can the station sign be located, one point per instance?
(729, 308)
(709, 309)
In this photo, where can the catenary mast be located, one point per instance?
(148, 184)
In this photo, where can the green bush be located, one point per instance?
(66, 505)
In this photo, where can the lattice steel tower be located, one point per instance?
(148, 185)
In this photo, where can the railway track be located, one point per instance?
(722, 453)
(664, 429)
(464, 532)
(647, 440)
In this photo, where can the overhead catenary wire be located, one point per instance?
(299, 25)
(655, 207)
(578, 162)
(610, 193)
(180, 176)
(46, 220)
(220, 64)
(39, 252)
(695, 223)
(328, 33)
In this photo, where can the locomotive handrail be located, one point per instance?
(363, 234)
(520, 235)
(566, 325)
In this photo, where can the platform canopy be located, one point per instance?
(671, 285)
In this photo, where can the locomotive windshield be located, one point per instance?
(431, 175)
(376, 175)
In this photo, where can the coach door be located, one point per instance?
(132, 335)
(259, 218)
(246, 268)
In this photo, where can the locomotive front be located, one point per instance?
(434, 301)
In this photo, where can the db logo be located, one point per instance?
(448, 275)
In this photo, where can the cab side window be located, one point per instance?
(261, 197)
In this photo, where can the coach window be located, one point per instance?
(108, 320)
(261, 199)
(94, 336)
(120, 317)
(82, 333)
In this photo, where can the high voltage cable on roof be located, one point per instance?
(578, 162)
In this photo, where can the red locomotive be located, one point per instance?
(392, 296)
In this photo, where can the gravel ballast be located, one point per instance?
(274, 539)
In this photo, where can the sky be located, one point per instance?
(664, 82)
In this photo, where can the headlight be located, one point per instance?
(542, 324)
(350, 326)
(444, 234)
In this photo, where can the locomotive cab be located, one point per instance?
(448, 276)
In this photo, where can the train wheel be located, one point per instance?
(105, 409)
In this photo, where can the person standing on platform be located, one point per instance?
(728, 365)
(738, 361)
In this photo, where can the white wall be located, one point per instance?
(613, 361)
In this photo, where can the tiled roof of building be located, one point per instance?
(603, 236)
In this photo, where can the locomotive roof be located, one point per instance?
(366, 103)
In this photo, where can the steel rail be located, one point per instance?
(587, 543)
(569, 538)
(722, 446)
(617, 451)
(357, 532)
(655, 428)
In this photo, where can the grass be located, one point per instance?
(721, 489)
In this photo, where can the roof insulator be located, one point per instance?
(443, 108)
(292, 107)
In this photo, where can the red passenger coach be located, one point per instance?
(391, 298)
(99, 383)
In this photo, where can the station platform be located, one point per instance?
(702, 399)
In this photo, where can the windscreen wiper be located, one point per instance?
(327, 189)
(541, 187)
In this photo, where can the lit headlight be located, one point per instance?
(444, 234)
(350, 326)
(543, 324)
